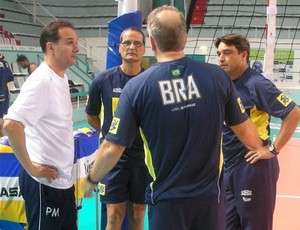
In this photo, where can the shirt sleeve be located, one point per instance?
(93, 106)
(234, 110)
(31, 103)
(124, 126)
(9, 74)
(270, 99)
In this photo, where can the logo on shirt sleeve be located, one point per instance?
(240, 104)
(114, 125)
(102, 189)
(284, 100)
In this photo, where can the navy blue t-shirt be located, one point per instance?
(179, 107)
(5, 76)
(104, 94)
(261, 100)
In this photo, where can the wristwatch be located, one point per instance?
(273, 150)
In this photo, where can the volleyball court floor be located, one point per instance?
(286, 216)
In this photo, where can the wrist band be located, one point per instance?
(90, 180)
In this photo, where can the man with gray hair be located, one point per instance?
(124, 186)
(179, 106)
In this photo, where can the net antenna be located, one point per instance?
(270, 39)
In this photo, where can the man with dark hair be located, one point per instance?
(40, 131)
(23, 61)
(251, 189)
(6, 76)
(179, 106)
(127, 180)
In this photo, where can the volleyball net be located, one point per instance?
(268, 24)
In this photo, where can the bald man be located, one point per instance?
(179, 106)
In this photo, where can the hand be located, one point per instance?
(261, 154)
(88, 188)
(43, 171)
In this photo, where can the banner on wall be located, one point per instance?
(283, 63)
(11, 202)
(86, 143)
(115, 28)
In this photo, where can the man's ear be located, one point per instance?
(245, 54)
(50, 47)
(152, 43)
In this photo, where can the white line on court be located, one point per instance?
(288, 196)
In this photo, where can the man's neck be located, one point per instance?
(239, 73)
(56, 67)
(131, 69)
(169, 56)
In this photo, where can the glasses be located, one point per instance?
(136, 44)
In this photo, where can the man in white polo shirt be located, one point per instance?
(40, 130)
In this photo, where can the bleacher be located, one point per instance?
(25, 29)
(222, 17)
(7, 38)
(16, 24)
(89, 17)
(79, 78)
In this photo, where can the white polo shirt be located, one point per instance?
(44, 108)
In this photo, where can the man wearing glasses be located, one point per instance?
(127, 180)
